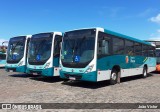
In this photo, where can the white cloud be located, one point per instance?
(156, 19)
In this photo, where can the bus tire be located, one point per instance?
(114, 76)
(144, 75)
(29, 74)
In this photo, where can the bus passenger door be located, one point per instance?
(56, 54)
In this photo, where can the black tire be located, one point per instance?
(30, 75)
(114, 76)
(144, 75)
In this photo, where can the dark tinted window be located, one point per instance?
(15, 51)
(129, 47)
(145, 50)
(78, 48)
(118, 46)
(151, 51)
(138, 48)
(2, 56)
(57, 42)
(40, 48)
(103, 45)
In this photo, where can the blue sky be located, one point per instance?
(136, 18)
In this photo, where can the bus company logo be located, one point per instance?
(6, 106)
(72, 70)
(127, 59)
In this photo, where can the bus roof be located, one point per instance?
(49, 32)
(21, 36)
(126, 37)
(115, 34)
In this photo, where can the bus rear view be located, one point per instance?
(17, 54)
(43, 55)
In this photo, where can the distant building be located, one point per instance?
(3, 47)
(155, 42)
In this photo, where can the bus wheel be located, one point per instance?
(144, 75)
(114, 76)
(30, 75)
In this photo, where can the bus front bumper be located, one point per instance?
(10, 69)
(44, 72)
(49, 72)
(91, 76)
(33, 71)
(21, 69)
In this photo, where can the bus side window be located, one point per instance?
(57, 45)
(145, 50)
(27, 46)
(129, 47)
(103, 48)
(103, 45)
(138, 49)
(151, 52)
(2, 56)
(118, 45)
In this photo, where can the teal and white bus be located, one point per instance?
(3, 49)
(2, 59)
(97, 54)
(156, 42)
(43, 55)
(17, 54)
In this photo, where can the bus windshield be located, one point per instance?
(40, 48)
(78, 48)
(15, 50)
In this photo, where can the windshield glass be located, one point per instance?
(40, 48)
(15, 50)
(78, 48)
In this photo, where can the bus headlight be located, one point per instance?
(20, 63)
(89, 69)
(47, 65)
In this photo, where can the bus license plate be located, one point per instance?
(10, 70)
(72, 78)
(35, 73)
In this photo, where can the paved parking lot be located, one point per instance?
(20, 88)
